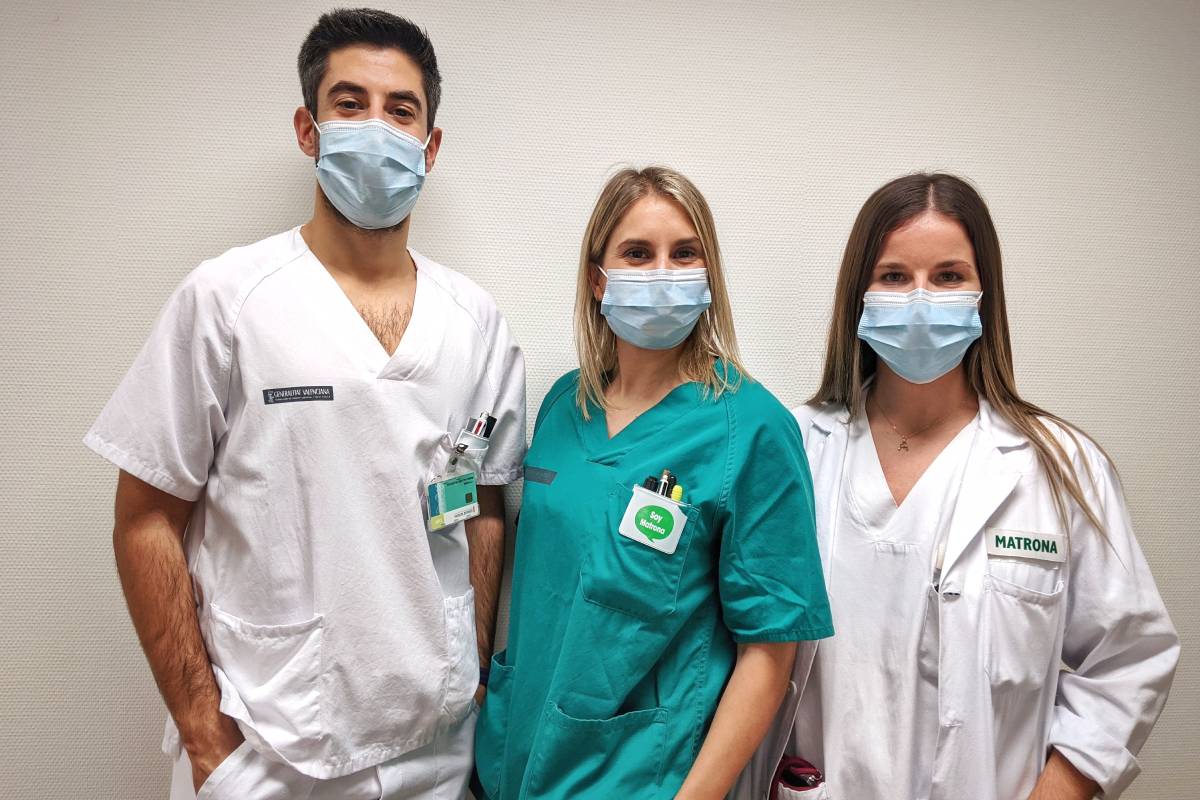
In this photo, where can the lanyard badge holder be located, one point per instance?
(453, 496)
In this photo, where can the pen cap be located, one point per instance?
(482, 425)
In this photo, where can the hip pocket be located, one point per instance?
(619, 757)
(270, 679)
(626, 575)
(229, 767)
(1022, 633)
(491, 731)
(463, 677)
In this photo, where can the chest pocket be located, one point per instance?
(624, 575)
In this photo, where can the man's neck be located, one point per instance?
(366, 256)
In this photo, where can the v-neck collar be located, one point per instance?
(873, 473)
(666, 413)
(409, 353)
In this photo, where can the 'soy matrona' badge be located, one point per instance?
(653, 520)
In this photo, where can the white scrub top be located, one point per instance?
(341, 632)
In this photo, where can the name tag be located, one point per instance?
(453, 498)
(1022, 544)
(653, 520)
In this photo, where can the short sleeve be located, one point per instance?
(771, 583)
(506, 402)
(163, 422)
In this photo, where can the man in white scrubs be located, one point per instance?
(277, 435)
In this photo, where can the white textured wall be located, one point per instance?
(140, 138)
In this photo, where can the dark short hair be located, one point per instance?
(345, 27)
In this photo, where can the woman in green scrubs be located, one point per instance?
(666, 562)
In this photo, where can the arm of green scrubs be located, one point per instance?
(771, 586)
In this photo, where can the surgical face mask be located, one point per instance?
(371, 171)
(921, 335)
(654, 309)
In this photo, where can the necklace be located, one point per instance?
(904, 437)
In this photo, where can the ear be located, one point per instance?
(597, 280)
(306, 132)
(431, 149)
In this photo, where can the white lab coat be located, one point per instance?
(1007, 626)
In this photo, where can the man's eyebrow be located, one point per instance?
(345, 86)
(405, 96)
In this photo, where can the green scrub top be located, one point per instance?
(618, 653)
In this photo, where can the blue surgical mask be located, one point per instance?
(654, 309)
(921, 335)
(370, 170)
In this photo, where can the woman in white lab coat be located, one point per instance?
(999, 633)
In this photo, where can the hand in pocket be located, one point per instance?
(226, 740)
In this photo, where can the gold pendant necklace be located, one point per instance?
(904, 437)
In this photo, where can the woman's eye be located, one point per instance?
(685, 254)
(950, 277)
(636, 254)
(892, 277)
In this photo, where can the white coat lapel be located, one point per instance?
(1000, 457)
(827, 426)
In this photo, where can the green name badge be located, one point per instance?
(653, 520)
(452, 498)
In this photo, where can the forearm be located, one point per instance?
(149, 554)
(485, 542)
(745, 713)
(1061, 781)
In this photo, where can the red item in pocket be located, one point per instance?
(795, 774)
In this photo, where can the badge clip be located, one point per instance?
(454, 495)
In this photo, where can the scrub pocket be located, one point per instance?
(491, 732)
(463, 679)
(619, 757)
(626, 576)
(246, 775)
(273, 673)
(1022, 631)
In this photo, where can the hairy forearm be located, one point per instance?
(485, 540)
(1061, 781)
(147, 542)
(745, 713)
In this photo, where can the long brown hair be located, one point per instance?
(849, 362)
(710, 344)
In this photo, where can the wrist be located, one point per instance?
(212, 732)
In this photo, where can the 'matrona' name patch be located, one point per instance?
(1022, 544)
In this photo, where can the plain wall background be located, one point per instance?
(140, 138)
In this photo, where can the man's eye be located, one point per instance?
(349, 105)
(402, 112)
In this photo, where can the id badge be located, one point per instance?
(654, 520)
(452, 498)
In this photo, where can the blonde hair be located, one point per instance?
(710, 353)
(988, 362)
